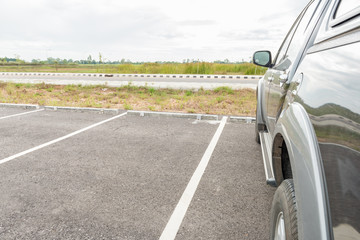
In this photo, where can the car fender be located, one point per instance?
(307, 171)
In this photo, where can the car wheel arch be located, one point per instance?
(281, 160)
(307, 171)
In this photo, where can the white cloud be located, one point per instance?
(144, 30)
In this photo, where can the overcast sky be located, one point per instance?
(144, 30)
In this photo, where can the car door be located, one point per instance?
(269, 75)
(330, 93)
(286, 62)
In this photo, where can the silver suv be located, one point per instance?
(308, 124)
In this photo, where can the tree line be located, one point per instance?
(101, 60)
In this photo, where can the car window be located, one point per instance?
(346, 10)
(342, 19)
(346, 6)
(286, 42)
(296, 41)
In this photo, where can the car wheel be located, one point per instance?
(283, 218)
(257, 136)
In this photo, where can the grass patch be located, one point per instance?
(146, 68)
(188, 93)
(223, 101)
(224, 90)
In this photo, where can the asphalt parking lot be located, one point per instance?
(82, 175)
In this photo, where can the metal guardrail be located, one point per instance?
(109, 75)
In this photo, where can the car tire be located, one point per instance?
(257, 136)
(283, 214)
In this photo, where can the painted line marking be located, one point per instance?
(19, 114)
(58, 139)
(173, 225)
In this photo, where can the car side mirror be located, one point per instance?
(262, 58)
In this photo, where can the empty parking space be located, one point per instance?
(123, 178)
(232, 201)
(6, 112)
(22, 132)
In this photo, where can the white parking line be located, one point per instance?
(58, 139)
(173, 225)
(19, 114)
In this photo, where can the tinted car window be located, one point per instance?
(285, 45)
(346, 22)
(295, 39)
(345, 6)
(299, 36)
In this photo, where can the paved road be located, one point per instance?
(182, 81)
(123, 178)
